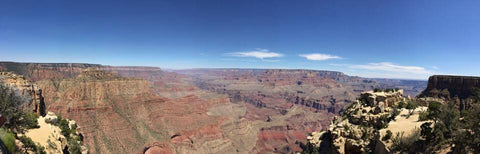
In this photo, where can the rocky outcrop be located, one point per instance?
(461, 90)
(25, 87)
(451, 86)
(357, 129)
(49, 134)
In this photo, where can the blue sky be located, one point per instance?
(393, 39)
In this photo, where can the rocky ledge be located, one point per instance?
(364, 123)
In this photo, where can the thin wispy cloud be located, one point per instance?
(319, 56)
(257, 53)
(338, 65)
(390, 67)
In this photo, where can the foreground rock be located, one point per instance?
(49, 135)
(364, 123)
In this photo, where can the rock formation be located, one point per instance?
(25, 87)
(458, 89)
(451, 86)
(362, 125)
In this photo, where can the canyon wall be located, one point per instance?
(146, 109)
(461, 86)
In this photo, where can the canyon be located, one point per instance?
(442, 119)
(123, 109)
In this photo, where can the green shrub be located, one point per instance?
(426, 131)
(394, 113)
(383, 121)
(11, 106)
(411, 105)
(40, 149)
(423, 116)
(405, 144)
(8, 139)
(31, 146)
(469, 141)
(387, 136)
(434, 109)
(74, 147)
(27, 143)
(377, 90)
(401, 105)
(30, 121)
(65, 129)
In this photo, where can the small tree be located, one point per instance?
(434, 109)
(65, 129)
(30, 120)
(11, 106)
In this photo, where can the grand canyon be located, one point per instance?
(134, 109)
(239, 77)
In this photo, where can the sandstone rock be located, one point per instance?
(461, 86)
(25, 87)
(356, 129)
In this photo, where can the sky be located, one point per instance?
(407, 39)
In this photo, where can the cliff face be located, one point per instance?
(104, 105)
(461, 86)
(25, 87)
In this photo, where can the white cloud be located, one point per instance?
(319, 56)
(258, 53)
(386, 66)
(338, 65)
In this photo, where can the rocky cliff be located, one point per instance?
(25, 87)
(47, 134)
(451, 86)
(362, 126)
